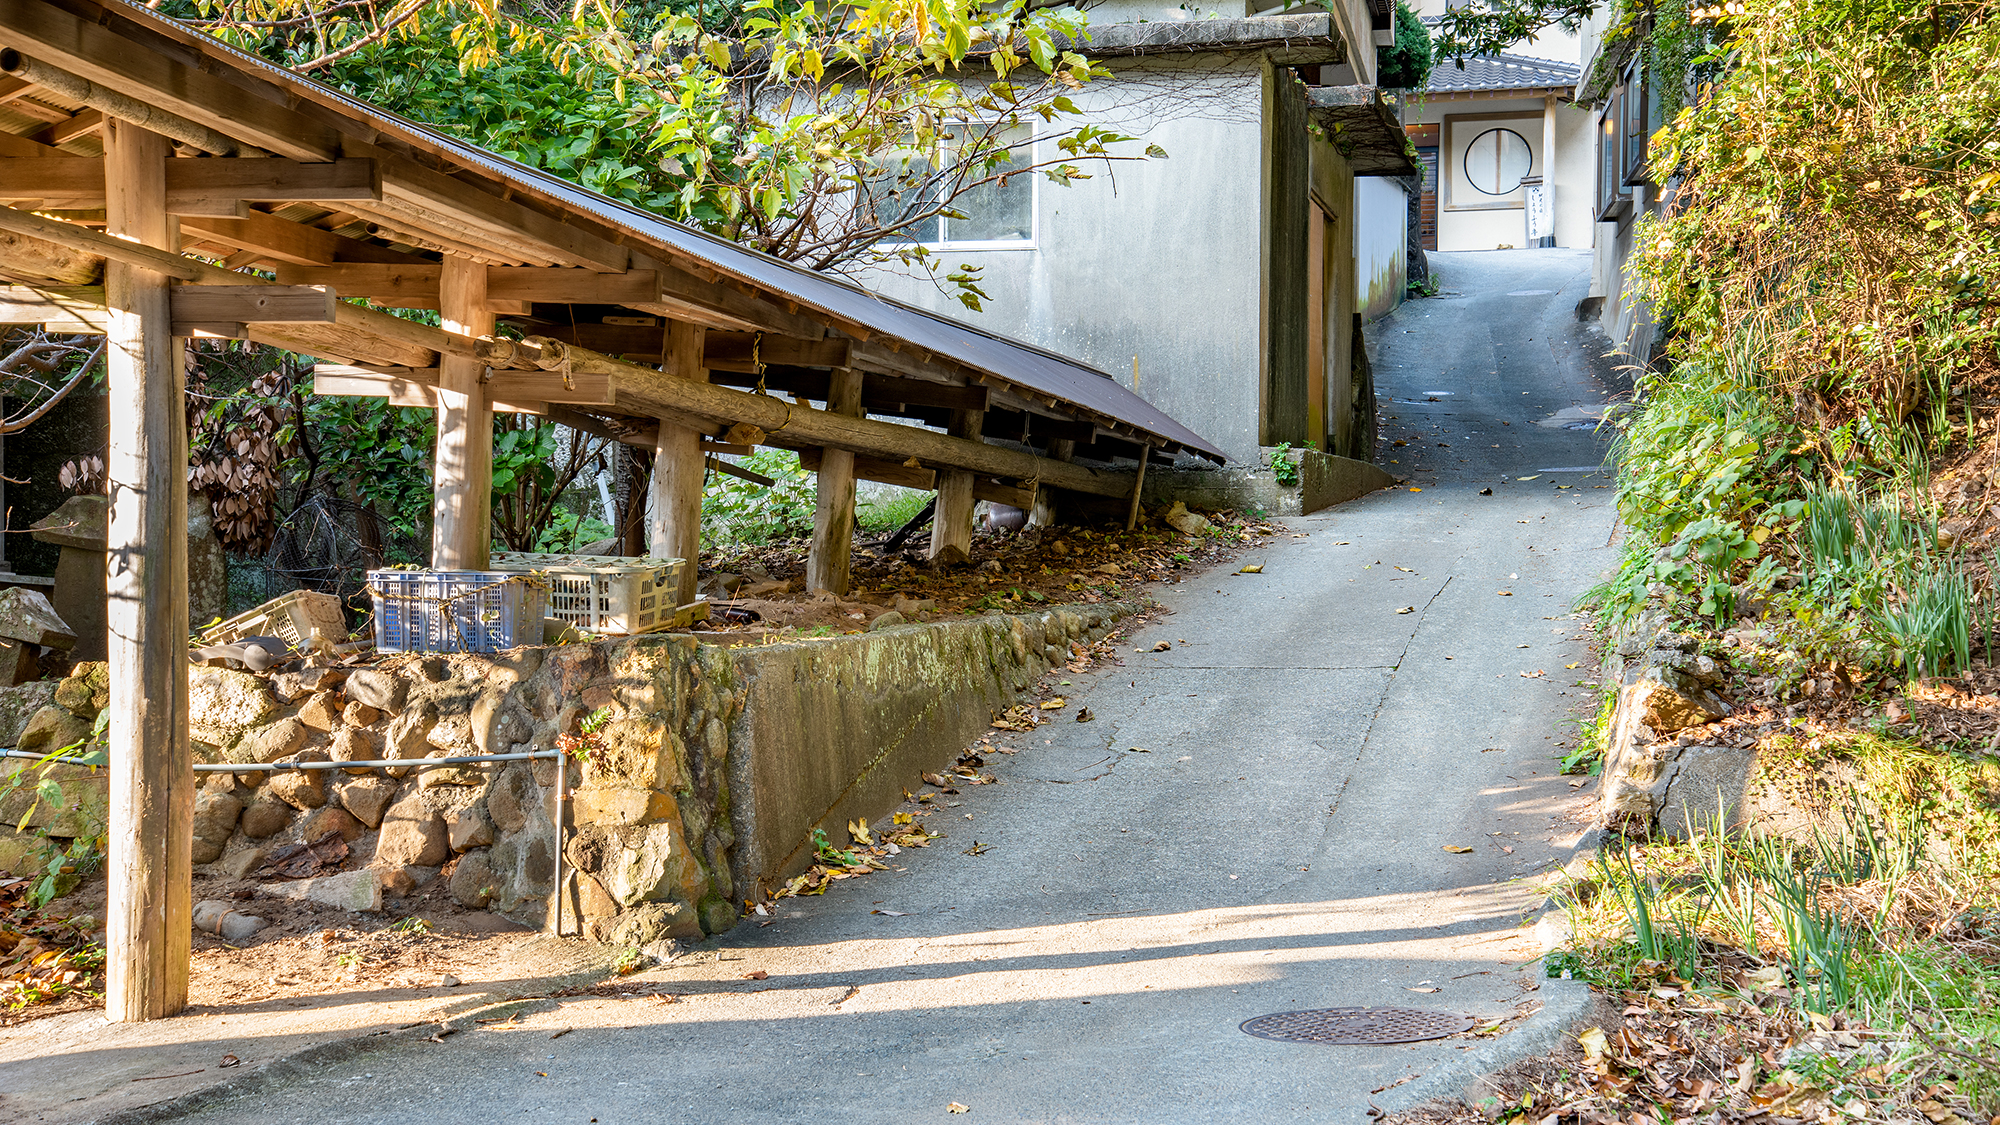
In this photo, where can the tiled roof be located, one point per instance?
(1502, 72)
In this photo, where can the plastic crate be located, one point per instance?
(456, 610)
(603, 593)
(292, 618)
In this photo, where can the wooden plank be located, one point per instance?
(77, 308)
(288, 241)
(570, 244)
(1138, 487)
(1043, 513)
(704, 403)
(741, 351)
(244, 304)
(951, 524)
(425, 375)
(1000, 492)
(81, 123)
(255, 111)
(881, 470)
(149, 921)
(462, 508)
(212, 187)
(678, 466)
(27, 258)
(680, 288)
(548, 386)
(416, 285)
(415, 391)
(830, 558)
(16, 147)
(887, 390)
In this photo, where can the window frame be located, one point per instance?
(1614, 196)
(1634, 136)
(944, 241)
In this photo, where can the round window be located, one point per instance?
(1496, 160)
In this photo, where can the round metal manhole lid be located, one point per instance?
(1357, 1026)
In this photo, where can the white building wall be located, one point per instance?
(1381, 244)
(1158, 260)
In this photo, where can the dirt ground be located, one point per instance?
(1009, 571)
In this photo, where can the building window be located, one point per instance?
(1633, 126)
(1497, 160)
(1614, 195)
(997, 212)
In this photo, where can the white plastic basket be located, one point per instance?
(603, 593)
(292, 618)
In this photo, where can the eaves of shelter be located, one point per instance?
(318, 188)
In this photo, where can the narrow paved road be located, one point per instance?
(1390, 687)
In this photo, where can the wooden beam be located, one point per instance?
(643, 433)
(16, 147)
(415, 285)
(224, 310)
(149, 919)
(79, 124)
(1138, 487)
(831, 556)
(681, 289)
(1044, 511)
(417, 388)
(26, 258)
(887, 390)
(951, 524)
(1000, 492)
(881, 470)
(385, 338)
(215, 187)
(289, 242)
(255, 111)
(78, 309)
(678, 466)
(742, 351)
(467, 204)
(462, 508)
(704, 403)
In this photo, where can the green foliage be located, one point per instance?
(1405, 64)
(83, 852)
(734, 510)
(1707, 479)
(825, 852)
(890, 512)
(1282, 465)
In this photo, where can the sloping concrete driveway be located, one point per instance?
(1391, 686)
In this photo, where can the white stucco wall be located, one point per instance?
(1160, 260)
(1381, 244)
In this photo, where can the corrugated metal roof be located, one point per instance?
(1501, 72)
(1031, 368)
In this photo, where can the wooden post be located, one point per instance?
(951, 524)
(678, 467)
(832, 554)
(1044, 515)
(149, 925)
(462, 506)
(1138, 487)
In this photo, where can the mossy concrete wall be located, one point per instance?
(833, 731)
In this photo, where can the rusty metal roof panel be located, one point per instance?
(1024, 365)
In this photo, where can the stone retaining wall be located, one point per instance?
(703, 768)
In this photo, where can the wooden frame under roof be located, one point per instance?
(156, 184)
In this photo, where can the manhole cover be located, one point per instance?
(1357, 1026)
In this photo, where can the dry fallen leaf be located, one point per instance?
(1456, 849)
(1407, 609)
(1505, 593)
(1163, 646)
(757, 975)
(1253, 568)
(954, 1107)
(1431, 989)
(1056, 704)
(1084, 715)
(890, 913)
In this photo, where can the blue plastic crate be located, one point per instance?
(456, 610)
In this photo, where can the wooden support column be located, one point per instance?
(149, 924)
(951, 524)
(1138, 487)
(678, 466)
(833, 521)
(462, 504)
(1044, 515)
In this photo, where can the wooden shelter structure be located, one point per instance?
(157, 184)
